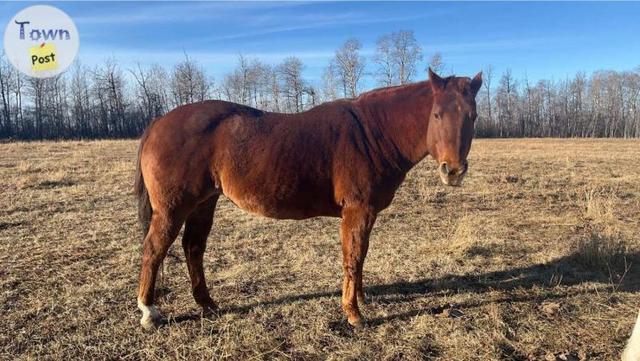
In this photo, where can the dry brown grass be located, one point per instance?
(534, 258)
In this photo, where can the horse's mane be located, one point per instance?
(389, 90)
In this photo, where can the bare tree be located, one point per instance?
(252, 83)
(293, 85)
(189, 82)
(81, 107)
(349, 65)
(19, 85)
(313, 96)
(238, 85)
(330, 83)
(435, 63)
(397, 56)
(486, 124)
(577, 121)
(383, 57)
(232, 88)
(141, 77)
(151, 89)
(6, 75)
(262, 94)
(109, 90)
(633, 101)
(274, 89)
(407, 53)
(505, 102)
(36, 89)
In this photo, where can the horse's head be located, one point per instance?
(451, 124)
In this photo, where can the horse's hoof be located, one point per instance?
(151, 318)
(356, 323)
(210, 310)
(362, 299)
(149, 323)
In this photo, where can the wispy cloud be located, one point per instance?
(171, 13)
(499, 44)
(253, 19)
(340, 20)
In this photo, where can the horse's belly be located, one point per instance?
(282, 202)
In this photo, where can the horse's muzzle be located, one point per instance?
(452, 176)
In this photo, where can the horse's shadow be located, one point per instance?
(623, 275)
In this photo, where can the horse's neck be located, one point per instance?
(401, 116)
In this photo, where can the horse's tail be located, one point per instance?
(140, 190)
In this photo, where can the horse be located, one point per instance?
(344, 158)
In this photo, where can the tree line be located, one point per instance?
(107, 101)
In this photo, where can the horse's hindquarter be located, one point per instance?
(175, 157)
(279, 166)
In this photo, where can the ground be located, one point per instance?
(535, 257)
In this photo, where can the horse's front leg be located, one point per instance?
(355, 229)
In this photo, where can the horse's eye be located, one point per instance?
(437, 115)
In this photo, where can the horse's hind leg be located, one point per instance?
(194, 243)
(162, 232)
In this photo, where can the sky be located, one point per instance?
(537, 40)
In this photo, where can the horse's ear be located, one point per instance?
(437, 83)
(476, 83)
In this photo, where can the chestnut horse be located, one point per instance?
(344, 158)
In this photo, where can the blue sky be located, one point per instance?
(537, 39)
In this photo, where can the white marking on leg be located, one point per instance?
(150, 315)
(632, 351)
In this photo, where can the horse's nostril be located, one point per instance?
(448, 171)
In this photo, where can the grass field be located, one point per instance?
(534, 258)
